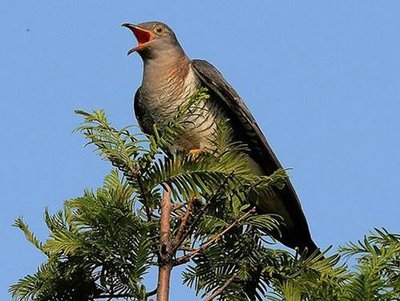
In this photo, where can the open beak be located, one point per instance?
(143, 36)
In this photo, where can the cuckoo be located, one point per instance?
(169, 79)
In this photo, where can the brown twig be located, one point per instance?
(136, 173)
(182, 226)
(217, 237)
(222, 288)
(177, 206)
(186, 249)
(193, 225)
(149, 294)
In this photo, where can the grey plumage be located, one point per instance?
(170, 78)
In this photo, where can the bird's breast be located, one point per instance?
(163, 100)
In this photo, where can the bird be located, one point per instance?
(170, 77)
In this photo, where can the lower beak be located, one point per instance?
(132, 50)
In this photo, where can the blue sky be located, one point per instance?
(321, 77)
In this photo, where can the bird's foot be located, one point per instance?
(195, 152)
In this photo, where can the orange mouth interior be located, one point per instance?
(143, 36)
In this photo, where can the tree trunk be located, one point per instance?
(164, 276)
(165, 256)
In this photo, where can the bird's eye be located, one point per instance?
(159, 29)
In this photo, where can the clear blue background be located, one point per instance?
(321, 77)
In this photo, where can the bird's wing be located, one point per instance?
(143, 117)
(261, 151)
(215, 82)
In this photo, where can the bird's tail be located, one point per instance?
(309, 249)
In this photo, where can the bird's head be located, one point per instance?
(154, 39)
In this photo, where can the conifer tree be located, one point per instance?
(159, 210)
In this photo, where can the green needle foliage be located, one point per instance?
(102, 244)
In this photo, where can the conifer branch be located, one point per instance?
(195, 222)
(144, 194)
(220, 290)
(214, 239)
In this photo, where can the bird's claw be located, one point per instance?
(195, 152)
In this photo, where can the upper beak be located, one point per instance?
(142, 35)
